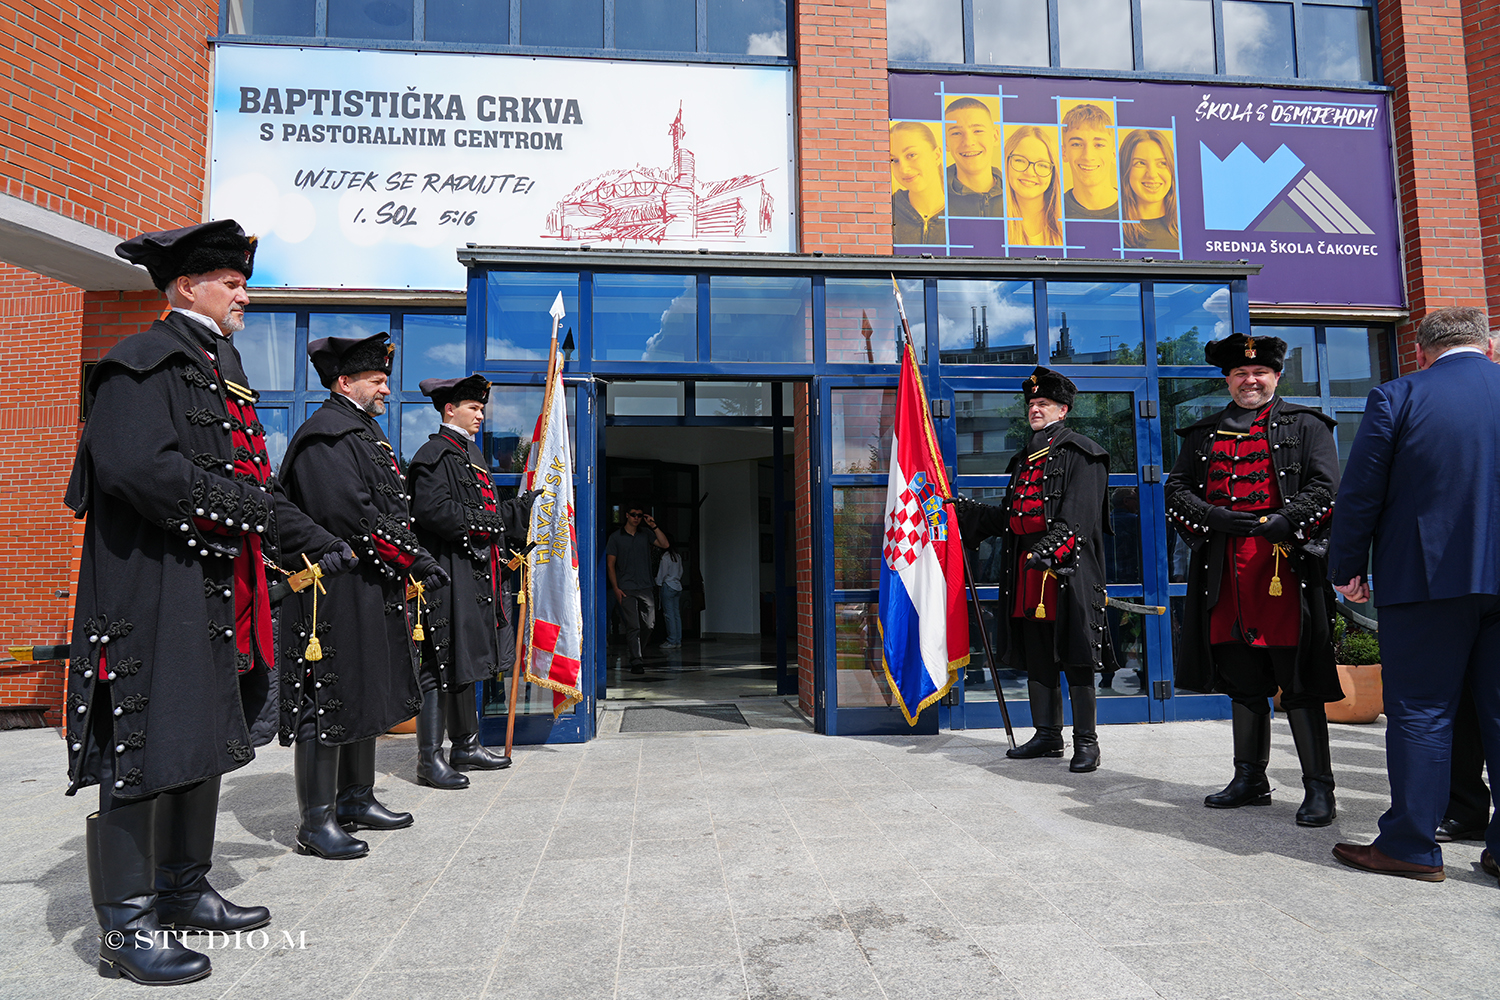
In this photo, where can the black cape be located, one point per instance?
(1075, 500)
(1306, 464)
(339, 468)
(155, 593)
(470, 631)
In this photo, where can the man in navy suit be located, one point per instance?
(1421, 484)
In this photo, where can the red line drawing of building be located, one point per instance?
(652, 205)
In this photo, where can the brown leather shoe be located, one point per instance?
(1487, 862)
(1369, 858)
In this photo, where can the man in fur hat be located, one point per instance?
(470, 631)
(1252, 493)
(171, 683)
(350, 672)
(1052, 527)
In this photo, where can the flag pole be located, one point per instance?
(525, 604)
(973, 592)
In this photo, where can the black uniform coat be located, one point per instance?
(340, 468)
(1306, 465)
(1074, 503)
(464, 530)
(155, 478)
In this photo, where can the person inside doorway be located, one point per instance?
(669, 579)
(627, 559)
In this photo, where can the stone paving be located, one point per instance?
(774, 863)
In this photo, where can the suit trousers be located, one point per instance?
(1429, 651)
(1468, 795)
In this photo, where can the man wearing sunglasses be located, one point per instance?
(627, 557)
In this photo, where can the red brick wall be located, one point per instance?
(39, 365)
(104, 109)
(842, 121)
(1423, 46)
(1482, 52)
(109, 317)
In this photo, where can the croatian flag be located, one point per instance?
(924, 619)
(554, 650)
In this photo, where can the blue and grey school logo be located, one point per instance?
(1278, 195)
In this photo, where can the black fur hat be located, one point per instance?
(335, 356)
(1048, 384)
(191, 250)
(455, 390)
(1238, 350)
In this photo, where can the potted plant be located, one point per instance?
(1357, 653)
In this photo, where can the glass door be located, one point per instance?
(1118, 413)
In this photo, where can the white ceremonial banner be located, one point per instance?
(370, 169)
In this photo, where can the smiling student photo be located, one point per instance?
(1148, 191)
(1088, 149)
(1034, 190)
(975, 184)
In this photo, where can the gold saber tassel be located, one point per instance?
(314, 651)
(1041, 604)
(418, 633)
(1280, 551)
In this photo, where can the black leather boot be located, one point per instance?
(1310, 733)
(185, 823)
(122, 880)
(1046, 716)
(358, 808)
(432, 769)
(463, 727)
(1252, 750)
(316, 768)
(1085, 731)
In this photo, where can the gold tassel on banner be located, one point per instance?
(1041, 605)
(1280, 551)
(418, 633)
(314, 651)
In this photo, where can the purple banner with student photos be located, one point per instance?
(1298, 181)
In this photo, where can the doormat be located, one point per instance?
(682, 719)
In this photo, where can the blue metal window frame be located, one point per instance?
(1056, 67)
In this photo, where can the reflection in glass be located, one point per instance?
(535, 699)
(746, 27)
(1187, 317)
(925, 30)
(1336, 43)
(1108, 418)
(478, 21)
(389, 19)
(1348, 427)
(657, 25)
(1122, 550)
(645, 399)
(862, 421)
(1359, 359)
(1095, 323)
(268, 347)
(1258, 39)
(272, 17)
(861, 673)
(1177, 36)
(274, 420)
(1127, 635)
(987, 322)
(1300, 376)
(984, 556)
(991, 427)
(509, 420)
(1184, 402)
(645, 317)
(519, 320)
(320, 325)
(432, 347)
(577, 24)
(858, 532)
(760, 319)
(733, 399)
(1011, 33)
(1095, 34)
(419, 421)
(861, 321)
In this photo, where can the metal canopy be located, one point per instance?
(510, 258)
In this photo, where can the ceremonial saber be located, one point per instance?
(1139, 609)
(1368, 624)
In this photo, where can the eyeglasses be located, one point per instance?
(1020, 164)
(633, 513)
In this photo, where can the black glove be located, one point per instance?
(339, 559)
(528, 498)
(1038, 561)
(436, 577)
(1275, 529)
(1232, 522)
